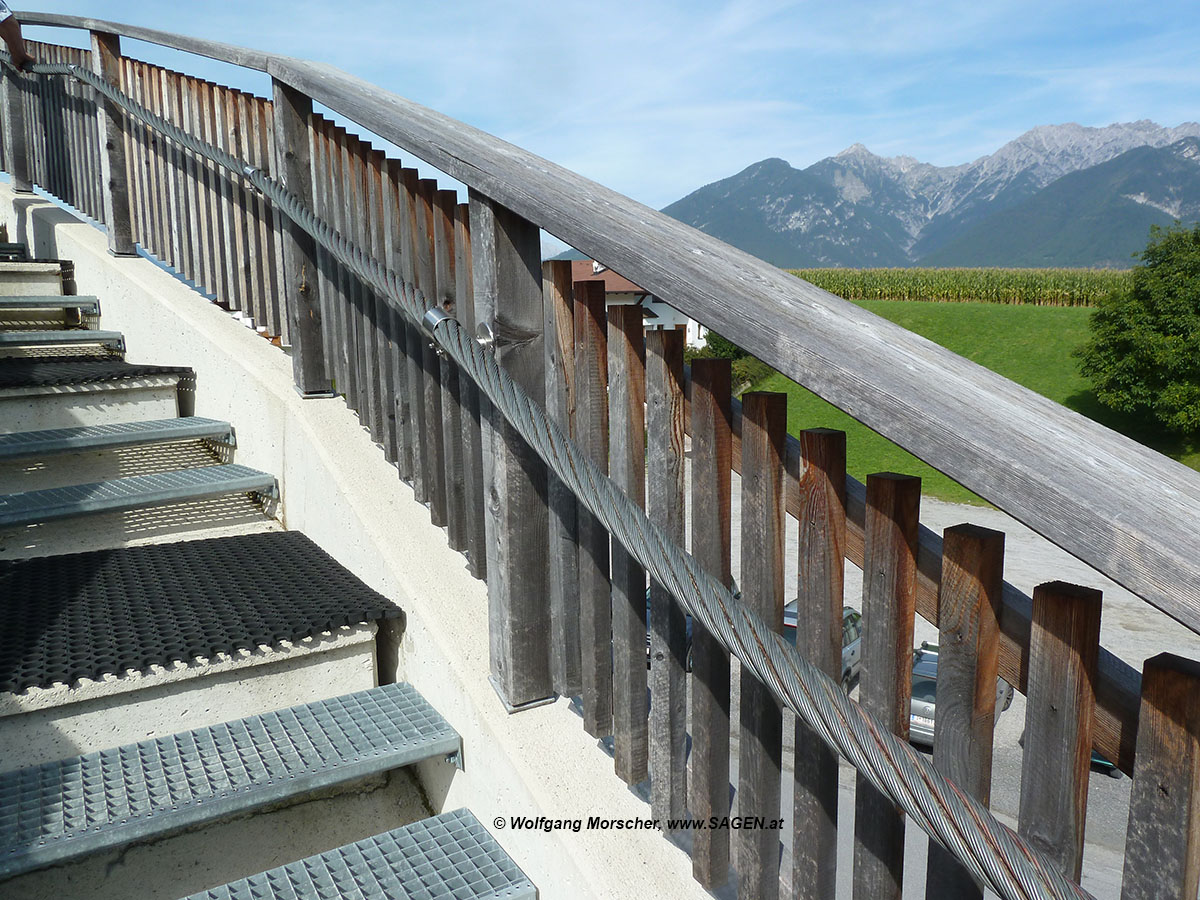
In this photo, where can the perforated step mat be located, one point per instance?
(71, 807)
(34, 444)
(88, 615)
(450, 856)
(55, 371)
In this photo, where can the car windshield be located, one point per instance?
(924, 689)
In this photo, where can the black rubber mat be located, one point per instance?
(51, 371)
(87, 615)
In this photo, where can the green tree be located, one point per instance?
(1144, 354)
(722, 347)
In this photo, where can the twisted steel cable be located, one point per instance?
(995, 855)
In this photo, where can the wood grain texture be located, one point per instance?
(1051, 468)
(627, 467)
(394, 255)
(821, 483)
(1058, 721)
(431, 368)
(968, 657)
(385, 333)
(474, 404)
(302, 299)
(106, 55)
(889, 597)
(1162, 844)
(445, 261)
(665, 503)
(415, 379)
(506, 260)
(760, 744)
(708, 775)
(559, 328)
(590, 429)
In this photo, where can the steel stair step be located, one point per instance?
(89, 306)
(37, 444)
(49, 371)
(134, 492)
(71, 337)
(13, 252)
(449, 856)
(71, 807)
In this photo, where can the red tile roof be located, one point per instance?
(581, 270)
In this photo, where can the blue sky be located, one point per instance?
(657, 98)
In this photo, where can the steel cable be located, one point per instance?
(993, 853)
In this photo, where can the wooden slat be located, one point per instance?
(135, 153)
(415, 355)
(218, 217)
(190, 185)
(590, 428)
(360, 234)
(302, 299)
(889, 595)
(1058, 721)
(627, 467)
(254, 214)
(708, 777)
(339, 177)
(385, 331)
(445, 261)
(204, 193)
(398, 256)
(474, 404)
(175, 214)
(559, 329)
(431, 369)
(821, 482)
(331, 286)
(506, 259)
(230, 213)
(162, 167)
(968, 657)
(347, 192)
(760, 741)
(240, 206)
(1162, 844)
(276, 314)
(668, 625)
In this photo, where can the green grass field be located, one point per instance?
(1030, 344)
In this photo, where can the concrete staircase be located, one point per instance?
(188, 693)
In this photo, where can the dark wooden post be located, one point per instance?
(760, 743)
(627, 467)
(591, 433)
(16, 151)
(1063, 646)
(474, 404)
(708, 779)
(668, 626)
(506, 258)
(293, 166)
(889, 601)
(106, 62)
(822, 571)
(968, 659)
(559, 329)
(1162, 844)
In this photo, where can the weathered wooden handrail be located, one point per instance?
(1130, 513)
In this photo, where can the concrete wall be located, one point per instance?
(339, 490)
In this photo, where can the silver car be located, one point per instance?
(851, 639)
(923, 710)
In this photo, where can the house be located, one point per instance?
(622, 292)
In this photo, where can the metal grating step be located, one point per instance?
(448, 857)
(89, 306)
(88, 615)
(66, 337)
(135, 492)
(10, 252)
(49, 371)
(37, 444)
(71, 807)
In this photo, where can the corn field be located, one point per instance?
(1038, 287)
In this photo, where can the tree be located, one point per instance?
(1144, 353)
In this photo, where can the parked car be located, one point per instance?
(923, 709)
(851, 639)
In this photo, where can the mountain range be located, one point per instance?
(1058, 195)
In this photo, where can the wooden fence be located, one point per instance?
(568, 607)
